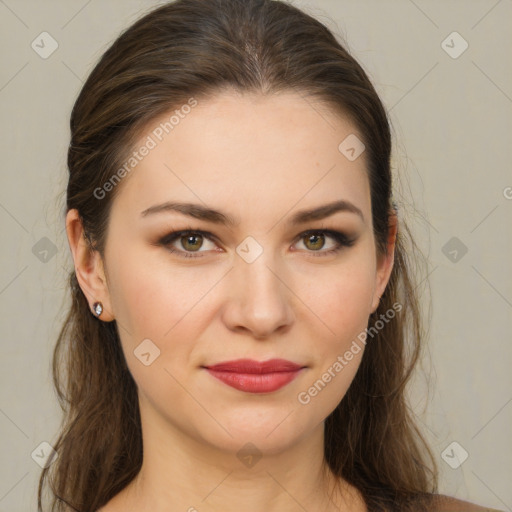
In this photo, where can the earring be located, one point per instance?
(97, 308)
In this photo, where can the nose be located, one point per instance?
(260, 298)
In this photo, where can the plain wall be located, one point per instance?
(452, 123)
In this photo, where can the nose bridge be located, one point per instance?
(255, 269)
(259, 276)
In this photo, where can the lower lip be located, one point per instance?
(255, 382)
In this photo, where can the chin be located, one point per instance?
(268, 434)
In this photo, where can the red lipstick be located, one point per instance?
(254, 376)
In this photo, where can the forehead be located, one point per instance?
(248, 151)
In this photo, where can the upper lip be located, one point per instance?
(252, 366)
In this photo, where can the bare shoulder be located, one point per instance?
(448, 504)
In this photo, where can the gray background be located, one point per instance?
(452, 126)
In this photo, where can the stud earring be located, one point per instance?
(98, 308)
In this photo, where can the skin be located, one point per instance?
(259, 159)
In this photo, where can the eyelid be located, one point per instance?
(172, 236)
(342, 240)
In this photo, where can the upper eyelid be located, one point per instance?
(175, 235)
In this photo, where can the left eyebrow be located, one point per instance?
(200, 212)
(327, 210)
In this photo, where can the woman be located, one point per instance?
(243, 307)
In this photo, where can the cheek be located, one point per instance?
(341, 298)
(150, 296)
(157, 302)
(343, 310)
(165, 303)
(340, 306)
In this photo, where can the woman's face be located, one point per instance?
(257, 287)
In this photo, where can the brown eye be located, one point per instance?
(192, 242)
(314, 241)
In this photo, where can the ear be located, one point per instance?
(385, 261)
(88, 266)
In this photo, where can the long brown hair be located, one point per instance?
(195, 48)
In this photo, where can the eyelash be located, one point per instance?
(341, 239)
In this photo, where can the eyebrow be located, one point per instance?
(200, 212)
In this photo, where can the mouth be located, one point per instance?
(256, 377)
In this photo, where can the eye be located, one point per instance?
(315, 240)
(190, 241)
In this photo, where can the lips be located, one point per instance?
(255, 377)
(252, 366)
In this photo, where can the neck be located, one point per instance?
(180, 472)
